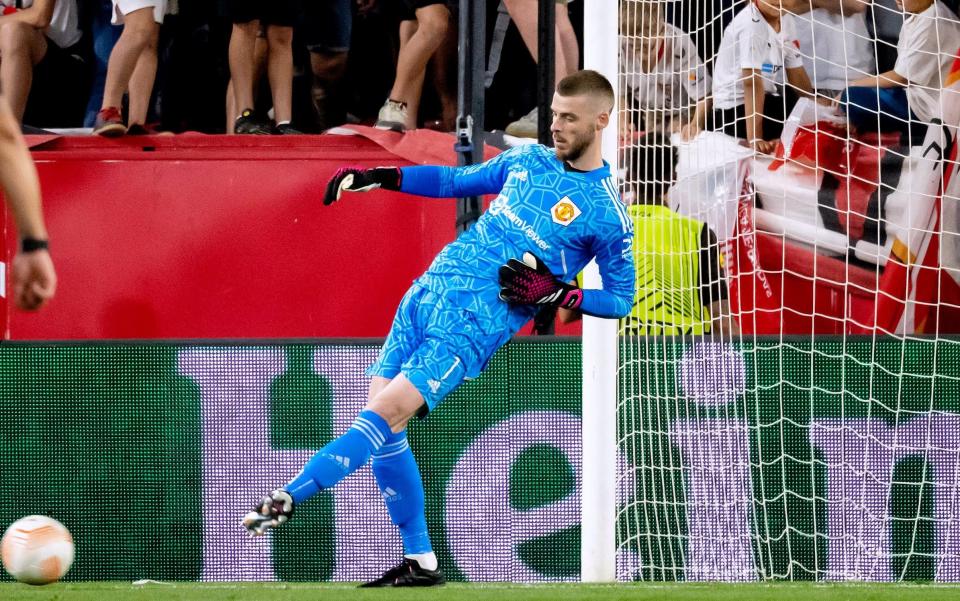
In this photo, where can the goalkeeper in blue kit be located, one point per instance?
(556, 210)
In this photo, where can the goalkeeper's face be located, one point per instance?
(577, 122)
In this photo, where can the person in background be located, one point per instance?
(442, 72)
(835, 44)
(32, 31)
(661, 69)
(277, 18)
(423, 27)
(132, 67)
(260, 50)
(105, 37)
(759, 56)
(567, 54)
(327, 28)
(34, 278)
(910, 92)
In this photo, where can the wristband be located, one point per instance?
(29, 245)
(389, 178)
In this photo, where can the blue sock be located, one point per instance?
(399, 480)
(341, 457)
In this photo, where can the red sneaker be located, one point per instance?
(109, 123)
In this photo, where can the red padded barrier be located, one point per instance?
(226, 236)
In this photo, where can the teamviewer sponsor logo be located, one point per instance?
(499, 207)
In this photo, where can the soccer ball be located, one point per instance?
(37, 550)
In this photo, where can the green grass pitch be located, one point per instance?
(104, 591)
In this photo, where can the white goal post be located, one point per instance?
(598, 490)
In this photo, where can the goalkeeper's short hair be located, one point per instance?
(590, 82)
(652, 165)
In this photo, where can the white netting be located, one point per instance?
(789, 380)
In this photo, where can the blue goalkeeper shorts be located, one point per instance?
(435, 343)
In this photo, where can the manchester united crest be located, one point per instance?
(564, 212)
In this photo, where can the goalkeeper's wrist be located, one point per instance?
(571, 297)
(389, 178)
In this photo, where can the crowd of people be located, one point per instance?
(282, 67)
(773, 52)
(837, 53)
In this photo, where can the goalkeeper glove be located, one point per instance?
(355, 179)
(529, 282)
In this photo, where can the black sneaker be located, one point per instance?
(248, 123)
(137, 130)
(285, 129)
(408, 573)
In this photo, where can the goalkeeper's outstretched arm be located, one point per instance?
(424, 180)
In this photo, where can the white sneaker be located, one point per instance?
(524, 127)
(393, 116)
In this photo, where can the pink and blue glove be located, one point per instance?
(530, 282)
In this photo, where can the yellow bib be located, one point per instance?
(666, 248)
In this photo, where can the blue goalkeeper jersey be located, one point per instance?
(564, 217)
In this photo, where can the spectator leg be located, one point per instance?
(138, 31)
(231, 108)
(280, 71)
(243, 41)
(105, 35)
(567, 43)
(141, 81)
(444, 79)
(431, 27)
(525, 15)
(259, 58)
(414, 85)
(328, 69)
(21, 47)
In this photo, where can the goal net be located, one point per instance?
(789, 379)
